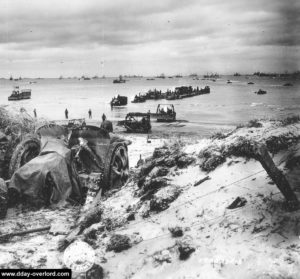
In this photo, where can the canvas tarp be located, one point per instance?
(30, 181)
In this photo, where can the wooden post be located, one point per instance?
(262, 155)
(6, 237)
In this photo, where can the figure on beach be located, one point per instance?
(90, 113)
(34, 112)
(106, 124)
(140, 162)
(66, 113)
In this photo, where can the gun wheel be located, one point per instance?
(116, 170)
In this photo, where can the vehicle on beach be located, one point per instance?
(165, 113)
(17, 95)
(137, 122)
(44, 167)
(260, 92)
(119, 101)
(78, 122)
(120, 80)
(139, 98)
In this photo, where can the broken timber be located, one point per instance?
(262, 155)
(6, 237)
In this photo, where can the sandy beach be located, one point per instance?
(150, 139)
(257, 240)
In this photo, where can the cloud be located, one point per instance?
(190, 31)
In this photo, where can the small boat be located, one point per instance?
(139, 99)
(120, 80)
(288, 84)
(260, 92)
(228, 81)
(251, 82)
(119, 101)
(17, 95)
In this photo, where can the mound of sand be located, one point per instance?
(172, 216)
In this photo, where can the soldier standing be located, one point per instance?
(66, 113)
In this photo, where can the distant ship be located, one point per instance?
(17, 95)
(120, 80)
(211, 75)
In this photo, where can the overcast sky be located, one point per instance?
(48, 38)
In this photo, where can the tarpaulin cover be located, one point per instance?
(54, 160)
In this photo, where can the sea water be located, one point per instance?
(227, 105)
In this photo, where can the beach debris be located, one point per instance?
(59, 228)
(293, 157)
(238, 202)
(276, 175)
(185, 160)
(6, 237)
(95, 272)
(211, 159)
(158, 172)
(185, 247)
(112, 222)
(118, 243)
(254, 123)
(130, 216)
(3, 137)
(92, 216)
(3, 199)
(166, 157)
(164, 197)
(176, 231)
(162, 257)
(202, 180)
(144, 210)
(150, 186)
(92, 232)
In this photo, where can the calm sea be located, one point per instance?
(227, 105)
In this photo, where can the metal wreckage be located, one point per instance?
(44, 167)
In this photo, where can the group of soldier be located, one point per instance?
(106, 124)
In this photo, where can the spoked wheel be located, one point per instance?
(116, 169)
(25, 151)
